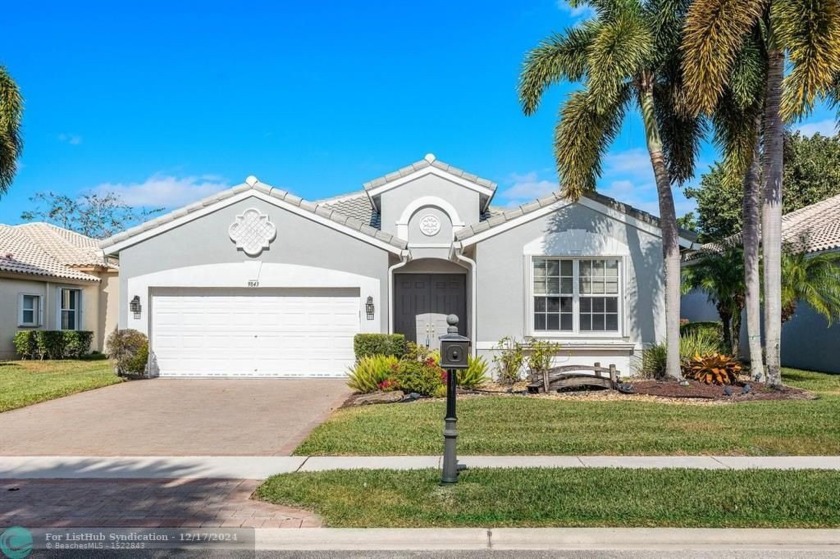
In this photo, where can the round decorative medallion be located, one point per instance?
(429, 225)
(252, 231)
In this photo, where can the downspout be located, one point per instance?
(405, 257)
(456, 251)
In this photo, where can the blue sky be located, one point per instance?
(167, 102)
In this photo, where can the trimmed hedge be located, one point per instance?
(52, 344)
(378, 344)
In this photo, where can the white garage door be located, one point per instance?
(254, 333)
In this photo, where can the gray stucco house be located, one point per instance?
(257, 282)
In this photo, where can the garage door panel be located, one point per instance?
(300, 332)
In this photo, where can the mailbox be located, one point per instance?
(454, 356)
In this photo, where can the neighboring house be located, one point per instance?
(808, 342)
(54, 279)
(257, 282)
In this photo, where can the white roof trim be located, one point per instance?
(244, 195)
(431, 170)
(583, 201)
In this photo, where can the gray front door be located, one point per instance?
(422, 303)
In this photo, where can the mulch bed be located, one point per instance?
(665, 391)
(695, 389)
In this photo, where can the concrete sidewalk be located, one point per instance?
(261, 467)
(671, 539)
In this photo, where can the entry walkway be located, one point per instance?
(261, 467)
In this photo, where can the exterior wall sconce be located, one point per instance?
(369, 308)
(135, 307)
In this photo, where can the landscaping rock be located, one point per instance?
(378, 398)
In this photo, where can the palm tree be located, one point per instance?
(814, 279)
(718, 271)
(11, 143)
(808, 31)
(626, 56)
(738, 123)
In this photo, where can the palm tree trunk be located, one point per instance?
(735, 335)
(726, 322)
(752, 268)
(668, 225)
(771, 216)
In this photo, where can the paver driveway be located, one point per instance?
(162, 417)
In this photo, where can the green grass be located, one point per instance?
(23, 383)
(565, 497)
(522, 425)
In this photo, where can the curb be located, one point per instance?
(664, 539)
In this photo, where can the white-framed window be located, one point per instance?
(29, 310)
(70, 309)
(576, 296)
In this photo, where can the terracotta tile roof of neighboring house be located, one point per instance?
(46, 250)
(324, 209)
(355, 205)
(497, 216)
(429, 161)
(814, 228)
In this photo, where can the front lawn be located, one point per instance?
(510, 425)
(534, 497)
(23, 383)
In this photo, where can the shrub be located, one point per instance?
(424, 377)
(700, 341)
(26, 345)
(372, 372)
(712, 369)
(653, 361)
(508, 360)
(130, 350)
(541, 356)
(51, 344)
(713, 330)
(77, 343)
(378, 344)
(475, 374)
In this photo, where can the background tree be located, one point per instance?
(11, 142)
(94, 215)
(719, 213)
(812, 174)
(626, 57)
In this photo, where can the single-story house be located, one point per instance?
(54, 279)
(255, 281)
(808, 341)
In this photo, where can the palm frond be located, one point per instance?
(810, 32)
(735, 132)
(608, 10)
(619, 52)
(714, 33)
(749, 73)
(11, 141)
(557, 58)
(665, 19)
(581, 138)
(681, 131)
(814, 279)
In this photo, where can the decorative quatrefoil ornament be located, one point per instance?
(252, 232)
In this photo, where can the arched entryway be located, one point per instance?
(426, 291)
